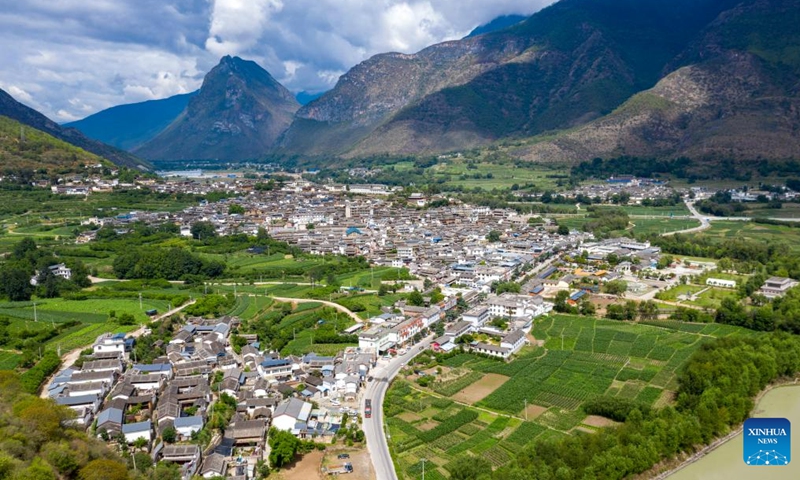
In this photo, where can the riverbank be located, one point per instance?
(723, 458)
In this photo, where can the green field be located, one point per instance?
(755, 232)
(456, 172)
(787, 210)
(654, 225)
(51, 219)
(675, 210)
(639, 225)
(582, 358)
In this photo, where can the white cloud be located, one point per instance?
(74, 57)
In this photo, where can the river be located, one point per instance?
(726, 462)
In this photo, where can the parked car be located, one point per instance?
(343, 456)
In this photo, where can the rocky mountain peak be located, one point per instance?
(239, 113)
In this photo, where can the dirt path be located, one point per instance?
(341, 308)
(72, 356)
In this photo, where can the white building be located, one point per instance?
(477, 315)
(777, 286)
(509, 305)
(718, 282)
(377, 339)
(135, 431)
(186, 426)
(289, 413)
(110, 343)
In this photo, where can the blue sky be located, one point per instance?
(71, 58)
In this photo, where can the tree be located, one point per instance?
(169, 435)
(648, 310)
(493, 236)
(616, 287)
(631, 310)
(503, 287)
(284, 447)
(415, 298)
(563, 230)
(166, 471)
(16, 284)
(664, 262)
(561, 304)
(235, 209)
(615, 311)
(469, 468)
(203, 230)
(587, 308)
(38, 470)
(126, 319)
(103, 469)
(23, 248)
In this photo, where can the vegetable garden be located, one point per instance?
(582, 358)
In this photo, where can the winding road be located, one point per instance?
(377, 444)
(341, 308)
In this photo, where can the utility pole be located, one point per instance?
(526, 409)
(423, 460)
(140, 300)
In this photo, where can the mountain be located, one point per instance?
(734, 93)
(498, 23)
(238, 114)
(569, 64)
(25, 148)
(128, 126)
(27, 116)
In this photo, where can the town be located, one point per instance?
(485, 277)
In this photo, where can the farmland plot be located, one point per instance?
(583, 358)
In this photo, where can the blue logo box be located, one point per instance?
(767, 442)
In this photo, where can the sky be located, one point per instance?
(71, 58)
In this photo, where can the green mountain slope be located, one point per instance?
(238, 114)
(128, 126)
(734, 93)
(28, 116)
(585, 58)
(566, 65)
(25, 148)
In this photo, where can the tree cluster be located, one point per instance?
(26, 261)
(170, 264)
(38, 443)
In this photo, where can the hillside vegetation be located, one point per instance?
(35, 444)
(23, 147)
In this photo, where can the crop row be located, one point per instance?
(526, 432)
(448, 426)
(451, 387)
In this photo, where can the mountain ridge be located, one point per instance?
(11, 108)
(130, 125)
(238, 114)
(569, 64)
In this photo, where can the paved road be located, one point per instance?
(341, 308)
(704, 222)
(373, 427)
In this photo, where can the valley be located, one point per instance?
(398, 241)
